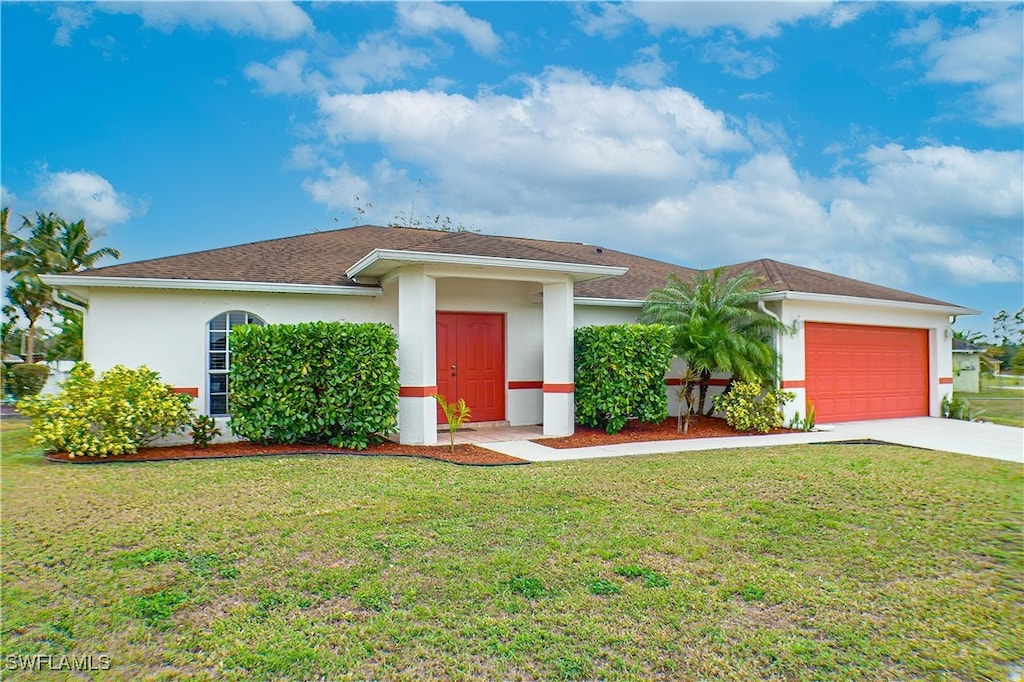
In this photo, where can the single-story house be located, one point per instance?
(490, 319)
(966, 366)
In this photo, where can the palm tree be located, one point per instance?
(71, 249)
(51, 246)
(718, 327)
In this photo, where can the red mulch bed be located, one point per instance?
(634, 431)
(637, 431)
(464, 454)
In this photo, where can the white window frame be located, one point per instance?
(249, 318)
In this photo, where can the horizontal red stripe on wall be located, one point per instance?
(559, 388)
(945, 380)
(416, 391)
(187, 390)
(514, 385)
(798, 383)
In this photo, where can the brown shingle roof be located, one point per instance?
(322, 258)
(779, 276)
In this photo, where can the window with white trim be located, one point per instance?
(218, 358)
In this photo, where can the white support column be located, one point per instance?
(417, 357)
(559, 375)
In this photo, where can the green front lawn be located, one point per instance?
(812, 562)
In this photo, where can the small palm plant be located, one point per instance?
(687, 403)
(457, 414)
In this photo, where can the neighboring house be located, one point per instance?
(966, 366)
(490, 319)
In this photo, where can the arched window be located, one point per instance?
(218, 357)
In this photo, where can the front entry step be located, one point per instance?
(476, 426)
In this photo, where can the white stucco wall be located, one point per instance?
(882, 315)
(167, 329)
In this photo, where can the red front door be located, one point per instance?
(471, 363)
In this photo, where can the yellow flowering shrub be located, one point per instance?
(748, 407)
(114, 415)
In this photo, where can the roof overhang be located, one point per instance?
(380, 262)
(943, 308)
(77, 284)
(608, 302)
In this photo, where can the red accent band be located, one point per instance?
(945, 380)
(187, 390)
(798, 383)
(416, 391)
(559, 388)
(718, 382)
(513, 385)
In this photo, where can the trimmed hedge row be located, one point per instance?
(333, 382)
(620, 374)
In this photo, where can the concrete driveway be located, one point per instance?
(949, 435)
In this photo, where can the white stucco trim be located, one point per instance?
(859, 300)
(79, 282)
(380, 261)
(609, 302)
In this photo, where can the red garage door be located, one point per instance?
(856, 372)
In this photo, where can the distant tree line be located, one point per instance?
(1004, 352)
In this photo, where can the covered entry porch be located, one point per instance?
(526, 380)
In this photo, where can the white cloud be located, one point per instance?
(971, 268)
(843, 13)
(7, 197)
(737, 62)
(70, 18)
(304, 157)
(377, 59)
(83, 194)
(754, 19)
(942, 183)
(565, 139)
(608, 19)
(988, 56)
(647, 70)
(427, 18)
(286, 75)
(924, 32)
(654, 171)
(337, 187)
(271, 20)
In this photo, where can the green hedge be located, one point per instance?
(27, 379)
(620, 374)
(334, 382)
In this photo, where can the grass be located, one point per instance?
(827, 562)
(1001, 403)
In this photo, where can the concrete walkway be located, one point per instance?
(980, 440)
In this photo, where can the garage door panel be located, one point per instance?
(862, 372)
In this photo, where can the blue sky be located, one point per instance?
(878, 141)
